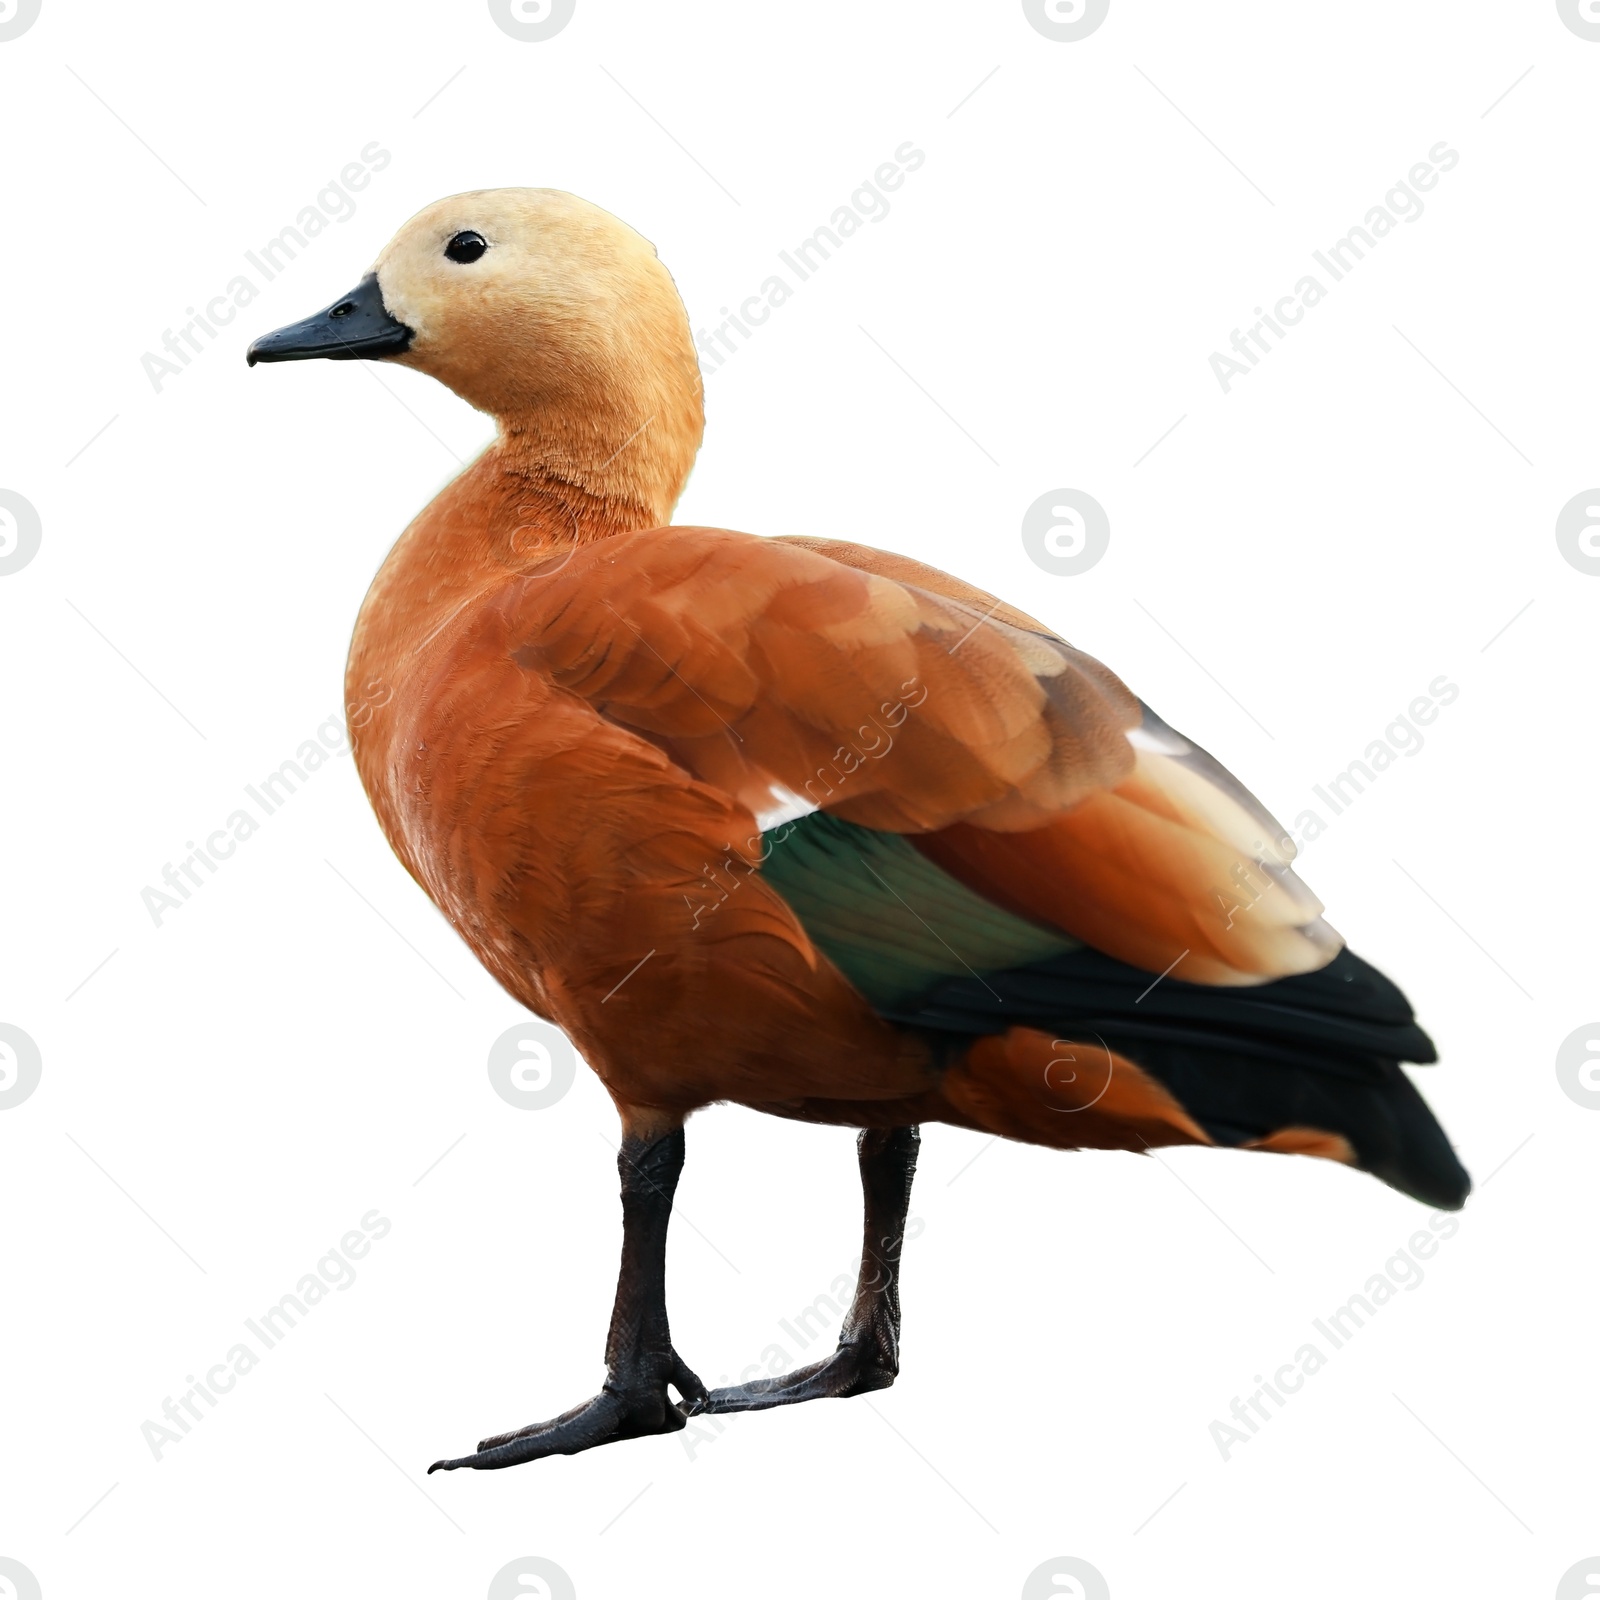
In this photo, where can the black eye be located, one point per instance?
(466, 247)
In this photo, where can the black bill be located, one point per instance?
(356, 328)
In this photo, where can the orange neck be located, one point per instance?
(507, 513)
(510, 510)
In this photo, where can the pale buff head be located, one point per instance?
(566, 327)
(546, 312)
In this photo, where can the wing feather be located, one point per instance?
(900, 699)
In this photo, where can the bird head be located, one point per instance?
(546, 312)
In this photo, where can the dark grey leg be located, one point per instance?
(640, 1360)
(868, 1354)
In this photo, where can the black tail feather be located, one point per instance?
(1321, 1050)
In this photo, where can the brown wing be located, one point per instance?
(904, 700)
(776, 673)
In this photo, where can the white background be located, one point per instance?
(229, 1093)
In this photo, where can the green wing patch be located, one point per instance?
(891, 920)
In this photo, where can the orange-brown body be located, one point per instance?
(571, 854)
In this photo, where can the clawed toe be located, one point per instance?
(854, 1368)
(496, 1440)
(614, 1414)
(608, 1417)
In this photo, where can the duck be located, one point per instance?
(799, 824)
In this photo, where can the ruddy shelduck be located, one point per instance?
(797, 823)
